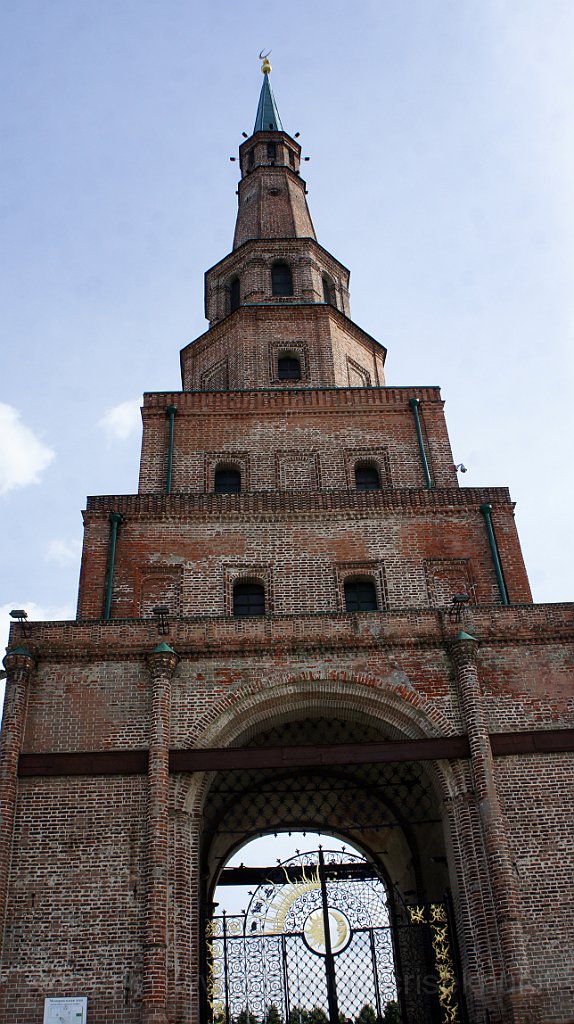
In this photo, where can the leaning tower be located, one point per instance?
(300, 621)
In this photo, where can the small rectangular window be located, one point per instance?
(360, 596)
(248, 599)
(288, 368)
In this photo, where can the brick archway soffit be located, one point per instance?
(249, 710)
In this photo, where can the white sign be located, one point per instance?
(66, 1010)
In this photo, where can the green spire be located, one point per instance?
(267, 119)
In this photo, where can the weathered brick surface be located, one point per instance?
(392, 669)
(304, 553)
(74, 923)
(242, 351)
(251, 265)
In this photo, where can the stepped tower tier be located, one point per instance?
(276, 259)
(271, 194)
(286, 395)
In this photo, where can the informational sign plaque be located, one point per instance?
(66, 1010)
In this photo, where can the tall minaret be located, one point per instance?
(277, 261)
(271, 193)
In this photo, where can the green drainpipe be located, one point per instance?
(115, 520)
(487, 513)
(414, 404)
(170, 412)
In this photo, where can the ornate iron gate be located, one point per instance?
(316, 946)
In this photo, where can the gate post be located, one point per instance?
(329, 964)
(518, 995)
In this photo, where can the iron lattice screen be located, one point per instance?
(316, 946)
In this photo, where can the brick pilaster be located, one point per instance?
(161, 664)
(471, 904)
(518, 996)
(19, 665)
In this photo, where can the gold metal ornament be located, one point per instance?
(265, 65)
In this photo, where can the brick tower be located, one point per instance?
(299, 621)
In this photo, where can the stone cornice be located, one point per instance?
(254, 244)
(406, 501)
(262, 400)
(201, 637)
(290, 303)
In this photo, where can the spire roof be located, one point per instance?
(267, 118)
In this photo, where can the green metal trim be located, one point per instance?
(171, 413)
(414, 404)
(115, 520)
(487, 513)
(163, 649)
(267, 118)
(22, 651)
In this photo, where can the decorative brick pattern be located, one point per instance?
(447, 577)
(161, 587)
(373, 571)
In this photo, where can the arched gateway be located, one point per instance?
(329, 734)
(300, 622)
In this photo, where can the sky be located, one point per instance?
(441, 172)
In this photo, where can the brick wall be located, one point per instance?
(76, 898)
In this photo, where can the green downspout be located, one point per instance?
(170, 412)
(414, 404)
(115, 520)
(487, 513)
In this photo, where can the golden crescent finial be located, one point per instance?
(265, 65)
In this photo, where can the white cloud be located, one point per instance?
(121, 421)
(63, 552)
(35, 612)
(23, 458)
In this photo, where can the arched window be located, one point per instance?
(234, 294)
(367, 477)
(328, 293)
(227, 481)
(288, 368)
(250, 159)
(248, 599)
(360, 595)
(281, 279)
(271, 151)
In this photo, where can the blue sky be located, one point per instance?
(440, 134)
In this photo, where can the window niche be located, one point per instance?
(234, 294)
(328, 291)
(367, 469)
(288, 367)
(281, 279)
(288, 362)
(360, 594)
(227, 480)
(248, 598)
(367, 477)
